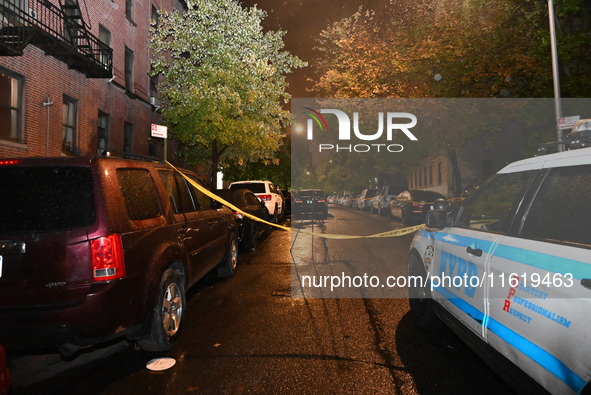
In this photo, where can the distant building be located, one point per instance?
(474, 163)
(74, 77)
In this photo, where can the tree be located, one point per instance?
(476, 48)
(277, 170)
(223, 82)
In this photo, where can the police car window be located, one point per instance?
(492, 207)
(561, 210)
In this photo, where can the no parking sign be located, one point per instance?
(159, 131)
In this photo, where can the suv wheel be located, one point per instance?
(251, 238)
(420, 299)
(168, 313)
(227, 267)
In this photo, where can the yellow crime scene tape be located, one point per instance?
(391, 233)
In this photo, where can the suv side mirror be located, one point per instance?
(436, 219)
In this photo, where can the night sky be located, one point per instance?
(304, 20)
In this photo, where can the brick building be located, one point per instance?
(474, 163)
(74, 77)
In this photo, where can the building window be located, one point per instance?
(129, 69)
(127, 137)
(105, 38)
(129, 9)
(153, 149)
(439, 174)
(155, 17)
(103, 130)
(69, 116)
(431, 175)
(11, 104)
(153, 87)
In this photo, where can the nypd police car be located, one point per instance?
(510, 271)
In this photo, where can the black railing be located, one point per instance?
(59, 32)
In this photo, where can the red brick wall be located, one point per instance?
(45, 75)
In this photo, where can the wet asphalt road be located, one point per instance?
(248, 335)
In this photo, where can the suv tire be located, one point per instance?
(168, 313)
(251, 238)
(227, 268)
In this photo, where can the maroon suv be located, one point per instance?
(93, 249)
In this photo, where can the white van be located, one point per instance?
(510, 270)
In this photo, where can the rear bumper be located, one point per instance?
(109, 312)
(310, 210)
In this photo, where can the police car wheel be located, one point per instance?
(420, 299)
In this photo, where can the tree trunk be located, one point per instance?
(215, 160)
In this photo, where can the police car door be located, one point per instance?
(540, 298)
(467, 247)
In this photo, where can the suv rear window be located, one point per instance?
(45, 198)
(311, 193)
(256, 187)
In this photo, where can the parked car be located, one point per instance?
(310, 203)
(579, 136)
(249, 230)
(345, 200)
(547, 148)
(267, 192)
(380, 203)
(350, 201)
(4, 373)
(411, 206)
(363, 202)
(96, 249)
(286, 194)
(525, 235)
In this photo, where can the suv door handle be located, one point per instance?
(182, 233)
(474, 251)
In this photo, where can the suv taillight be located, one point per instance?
(265, 197)
(106, 254)
(10, 162)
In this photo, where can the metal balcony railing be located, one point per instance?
(58, 30)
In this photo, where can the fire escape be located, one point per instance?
(58, 29)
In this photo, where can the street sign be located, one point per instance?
(159, 131)
(568, 122)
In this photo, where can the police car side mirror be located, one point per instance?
(441, 204)
(436, 219)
